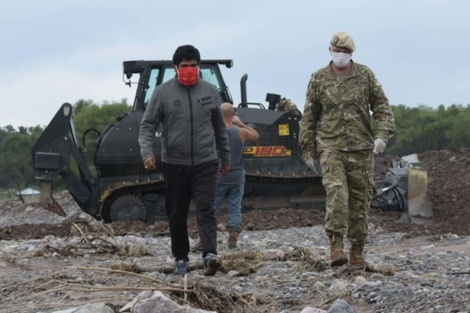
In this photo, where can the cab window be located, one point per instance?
(152, 84)
(206, 73)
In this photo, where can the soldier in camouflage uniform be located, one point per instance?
(336, 127)
(286, 105)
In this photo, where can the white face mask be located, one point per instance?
(341, 59)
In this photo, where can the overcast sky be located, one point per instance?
(55, 51)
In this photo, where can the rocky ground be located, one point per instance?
(49, 263)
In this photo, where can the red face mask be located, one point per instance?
(188, 75)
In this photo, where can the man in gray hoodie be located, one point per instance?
(194, 137)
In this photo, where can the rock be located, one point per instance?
(88, 308)
(359, 280)
(261, 297)
(384, 269)
(271, 254)
(156, 302)
(233, 273)
(340, 306)
(312, 310)
(339, 284)
(319, 286)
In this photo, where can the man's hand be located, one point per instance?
(224, 168)
(379, 145)
(246, 132)
(309, 161)
(236, 121)
(150, 164)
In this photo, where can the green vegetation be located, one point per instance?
(4, 194)
(423, 128)
(419, 129)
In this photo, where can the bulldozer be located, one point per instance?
(122, 190)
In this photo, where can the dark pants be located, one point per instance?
(183, 183)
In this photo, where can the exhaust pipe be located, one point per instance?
(243, 104)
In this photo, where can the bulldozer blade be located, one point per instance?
(419, 205)
(47, 201)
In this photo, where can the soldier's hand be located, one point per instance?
(379, 145)
(150, 164)
(309, 161)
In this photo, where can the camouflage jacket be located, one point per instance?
(337, 111)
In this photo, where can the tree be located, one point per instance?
(423, 128)
(89, 116)
(15, 160)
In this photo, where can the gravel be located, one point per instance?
(276, 270)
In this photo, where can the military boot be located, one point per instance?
(355, 256)
(233, 239)
(337, 255)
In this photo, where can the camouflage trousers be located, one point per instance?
(348, 180)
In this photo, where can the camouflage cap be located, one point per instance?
(343, 40)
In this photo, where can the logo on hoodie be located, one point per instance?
(176, 103)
